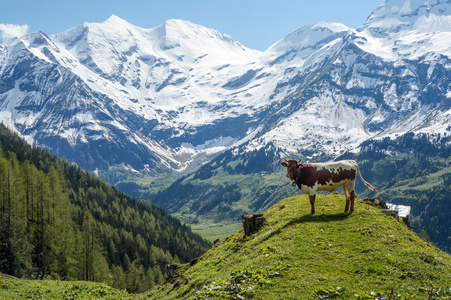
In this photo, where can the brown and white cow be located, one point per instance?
(311, 178)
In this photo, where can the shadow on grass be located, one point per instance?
(317, 218)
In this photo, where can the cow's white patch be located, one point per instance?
(334, 167)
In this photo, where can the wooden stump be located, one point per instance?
(193, 261)
(170, 271)
(252, 222)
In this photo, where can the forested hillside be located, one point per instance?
(59, 221)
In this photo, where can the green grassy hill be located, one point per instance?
(14, 288)
(365, 255)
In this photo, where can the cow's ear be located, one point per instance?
(300, 165)
(284, 164)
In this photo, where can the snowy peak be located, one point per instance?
(36, 39)
(311, 37)
(186, 30)
(395, 17)
(185, 38)
(115, 21)
(408, 29)
(113, 28)
(117, 40)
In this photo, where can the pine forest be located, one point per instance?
(58, 221)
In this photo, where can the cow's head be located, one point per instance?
(292, 166)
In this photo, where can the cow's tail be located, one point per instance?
(366, 183)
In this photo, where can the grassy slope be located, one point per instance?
(298, 256)
(13, 288)
(427, 182)
(212, 231)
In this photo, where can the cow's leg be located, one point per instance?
(312, 203)
(352, 201)
(351, 189)
(346, 191)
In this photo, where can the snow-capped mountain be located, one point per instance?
(389, 77)
(176, 95)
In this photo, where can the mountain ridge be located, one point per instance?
(174, 96)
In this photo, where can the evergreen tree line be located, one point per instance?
(58, 221)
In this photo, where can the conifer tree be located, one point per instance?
(88, 247)
(62, 226)
(42, 239)
(118, 277)
(135, 277)
(7, 258)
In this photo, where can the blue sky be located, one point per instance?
(255, 24)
